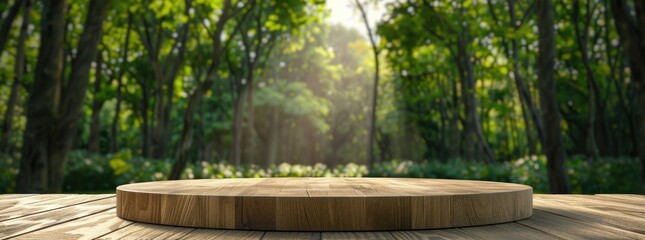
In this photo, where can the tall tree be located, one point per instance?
(632, 35)
(165, 69)
(114, 129)
(554, 147)
(19, 69)
(376, 51)
(582, 36)
(197, 96)
(54, 105)
(513, 52)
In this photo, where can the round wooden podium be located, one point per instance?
(324, 204)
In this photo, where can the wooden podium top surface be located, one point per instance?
(327, 187)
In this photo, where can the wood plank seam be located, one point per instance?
(58, 223)
(57, 208)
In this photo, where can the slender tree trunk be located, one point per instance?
(19, 69)
(145, 126)
(114, 129)
(472, 118)
(53, 109)
(159, 121)
(554, 148)
(247, 138)
(196, 98)
(529, 136)
(165, 71)
(7, 22)
(238, 121)
(525, 95)
(272, 149)
(526, 99)
(375, 51)
(632, 35)
(592, 146)
(95, 124)
(454, 122)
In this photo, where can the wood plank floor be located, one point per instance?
(69, 216)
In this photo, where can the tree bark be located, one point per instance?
(558, 180)
(53, 109)
(35, 166)
(19, 69)
(97, 103)
(632, 35)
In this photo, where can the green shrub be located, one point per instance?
(91, 172)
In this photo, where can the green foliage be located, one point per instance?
(312, 86)
(9, 168)
(89, 172)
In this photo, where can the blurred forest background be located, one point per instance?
(97, 93)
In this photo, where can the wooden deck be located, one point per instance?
(66, 216)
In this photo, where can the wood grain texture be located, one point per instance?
(580, 210)
(217, 234)
(148, 231)
(572, 229)
(555, 217)
(87, 227)
(324, 204)
(20, 207)
(33, 222)
(291, 236)
(13, 196)
(358, 235)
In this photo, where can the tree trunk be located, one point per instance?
(159, 121)
(247, 139)
(95, 124)
(592, 146)
(7, 22)
(272, 149)
(558, 180)
(455, 137)
(145, 126)
(632, 35)
(114, 143)
(53, 109)
(35, 166)
(525, 95)
(468, 83)
(196, 97)
(165, 71)
(238, 121)
(19, 69)
(375, 51)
